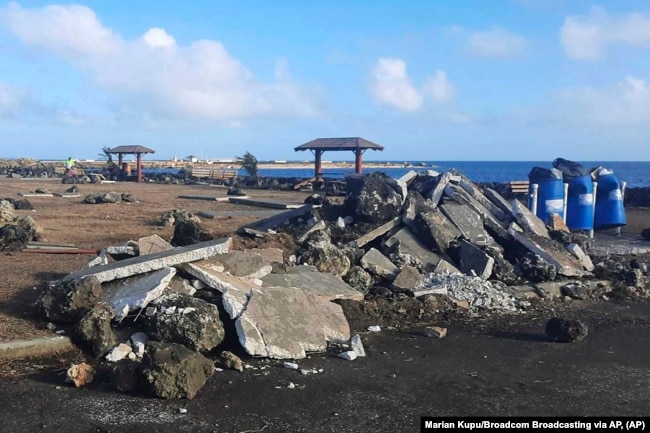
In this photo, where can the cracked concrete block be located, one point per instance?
(377, 263)
(563, 262)
(468, 222)
(246, 264)
(136, 292)
(285, 323)
(235, 290)
(405, 243)
(473, 261)
(528, 220)
(579, 254)
(326, 286)
(153, 244)
(444, 267)
(435, 230)
(152, 262)
(407, 279)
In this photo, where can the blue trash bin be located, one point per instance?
(610, 212)
(580, 204)
(550, 197)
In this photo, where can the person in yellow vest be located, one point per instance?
(69, 166)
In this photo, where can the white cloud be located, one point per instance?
(588, 37)
(625, 104)
(153, 75)
(10, 101)
(496, 42)
(390, 84)
(439, 87)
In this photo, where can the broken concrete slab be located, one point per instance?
(235, 290)
(302, 269)
(286, 323)
(528, 220)
(240, 213)
(244, 264)
(67, 301)
(264, 203)
(579, 254)
(495, 227)
(153, 244)
(555, 222)
(119, 352)
(498, 200)
(379, 231)
(136, 292)
(445, 268)
(405, 243)
(468, 222)
(36, 194)
(377, 263)
(270, 255)
(206, 197)
(121, 252)
(435, 230)
(272, 222)
(438, 190)
(320, 225)
(325, 286)
(174, 371)
(182, 286)
(155, 261)
(564, 263)
(473, 261)
(407, 279)
(477, 195)
(405, 181)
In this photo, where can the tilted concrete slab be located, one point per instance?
(285, 323)
(564, 263)
(436, 193)
(240, 213)
(468, 222)
(405, 181)
(152, 262)
(498, 200)
(377, 263)
(264, 203)
(207, 197)
(133, 293)
(246, 264)
(445, 268)
(405, 242)
(528, 220)
(435, 229)
(275, 220)
(474, 261)
(407, 279)
(236, 290)
(271, 255)
(579, 254)
(326, 286)
(477, 195)
(153, 244)
(379, 231)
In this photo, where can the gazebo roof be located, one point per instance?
(345, 143)
(130, 149)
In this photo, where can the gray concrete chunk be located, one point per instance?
(404, 243)
(286, 323)
(561, 259)
(435, 230)
(153, 262)
(498, 200)
(474, 261)
(468, 222)
(326, 286)
(579, 254)
(445, 268)
(244, 264)
(377, 263)
(439, 189)
(528, 220)
(477, 195)
(153, 244)
(136, 292)
(407, 279)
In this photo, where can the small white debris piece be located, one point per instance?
(132, 356)
(119, 352)
(435, 332)
(340, 223)
(170, 310)
(60, 332)
(291, 385)
(198, 284)
(138, 342)
(350, 355)
(374, 328)
(186, 310)
(218, 369)
(182, 410)
(290, 365)
(357, 345)
(150, 311)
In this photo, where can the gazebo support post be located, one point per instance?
(358, 161)
(318, 166)
(120, 157)
(139, 167)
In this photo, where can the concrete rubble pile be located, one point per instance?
(156, 316)
(440, 234)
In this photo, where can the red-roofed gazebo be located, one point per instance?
(357, 145)
(120, 151)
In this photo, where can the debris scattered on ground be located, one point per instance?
(80, 374)
(434, 332)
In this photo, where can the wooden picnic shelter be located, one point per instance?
(357, 145)
(120, 151)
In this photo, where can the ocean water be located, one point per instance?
(636, 174)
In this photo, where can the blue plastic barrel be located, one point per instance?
(580, 204)
(550, 197)
(610, 211)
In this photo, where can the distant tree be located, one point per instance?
(249, 164)
(105, 156)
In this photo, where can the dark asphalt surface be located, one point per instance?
(492, 367)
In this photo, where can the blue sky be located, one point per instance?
(438, 80)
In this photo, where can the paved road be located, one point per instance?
(498, 367)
